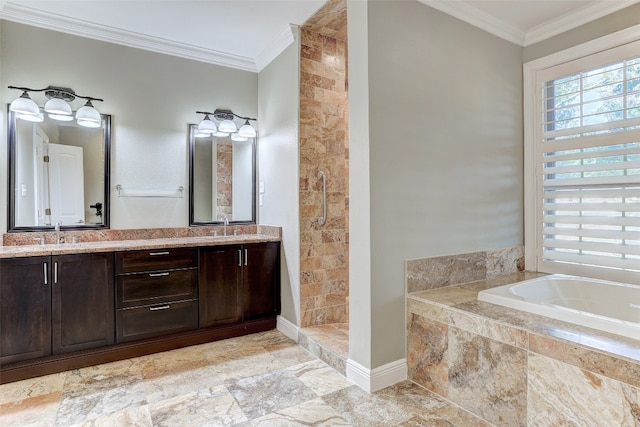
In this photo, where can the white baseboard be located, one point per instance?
(378, 378)
(287, 328)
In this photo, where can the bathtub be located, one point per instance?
(600, 304)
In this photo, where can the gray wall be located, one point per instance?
(152, 98)
(279, 94)
(446, 147)
(617, 21)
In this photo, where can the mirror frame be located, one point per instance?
(11, 187)
(192, 128)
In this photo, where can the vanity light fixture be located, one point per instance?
(57, 107)
(227, 125)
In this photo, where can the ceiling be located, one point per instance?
(248, 34)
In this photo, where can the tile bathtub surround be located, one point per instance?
(324, 260)
(257, 380)
(20, 239)
(514, 368)
(436, 272)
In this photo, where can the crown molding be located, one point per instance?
(574, 19)
(25, 15)
(277, 46)
(465, 11)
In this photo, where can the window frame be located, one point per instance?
(531, 72)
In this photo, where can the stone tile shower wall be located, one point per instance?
(324, 268)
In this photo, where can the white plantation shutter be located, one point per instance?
(588, 166)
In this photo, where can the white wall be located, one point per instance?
(445, 151)
(279, 94)
(152, 98)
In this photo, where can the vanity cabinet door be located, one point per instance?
(82, 301)
(261, 280)
(25, 308)
(220, 275)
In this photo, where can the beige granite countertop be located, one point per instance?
(130, 245)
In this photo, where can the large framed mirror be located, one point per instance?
(58, 173)
(222, 179)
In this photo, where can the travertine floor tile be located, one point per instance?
(209, 407)
(21, 390)
(131, 417)
(262, 379)
(312, 413)
(368, 410)
(263, 394)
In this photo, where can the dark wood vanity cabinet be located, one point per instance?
(61, 312)
(260, 280)
(239, 283)
(156, 293)
(55, 304)
(219, 285)
(25, 308)
(82, 301)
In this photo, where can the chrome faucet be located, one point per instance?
(226, 223)
(58, 224)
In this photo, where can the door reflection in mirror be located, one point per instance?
(56, 167)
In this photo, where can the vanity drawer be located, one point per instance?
(156, 259)
(133, 290)
(155, 320)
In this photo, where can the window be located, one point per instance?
(587, 166)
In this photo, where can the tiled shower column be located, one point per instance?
(324, 268)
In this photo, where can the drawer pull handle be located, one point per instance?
(46, 274)
(158, 253)
(158, 274)
(162, 307)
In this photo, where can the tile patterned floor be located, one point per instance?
(262, 379)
